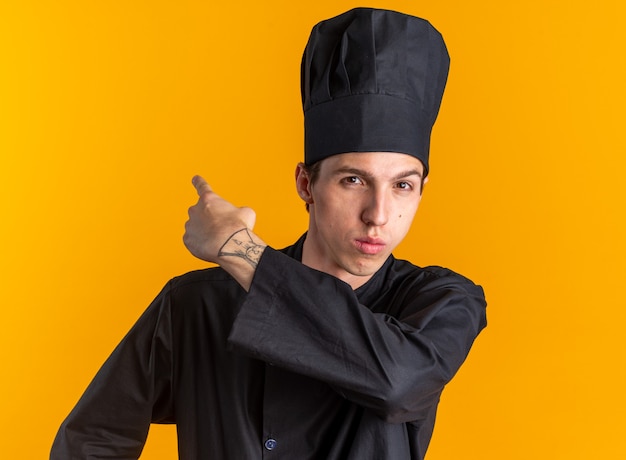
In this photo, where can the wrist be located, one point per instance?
(240, 255)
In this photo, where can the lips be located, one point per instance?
(370, 246)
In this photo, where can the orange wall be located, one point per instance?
(109, 108)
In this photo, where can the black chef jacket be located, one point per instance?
(301, 367)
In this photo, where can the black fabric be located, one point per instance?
(302, 365)
(372, 80)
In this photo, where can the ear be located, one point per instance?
(303, 184)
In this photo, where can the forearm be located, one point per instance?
(131, 390)
(313, 324)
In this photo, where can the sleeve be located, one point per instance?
(131, 390)
(312, 323)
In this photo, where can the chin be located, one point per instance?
(366, 269)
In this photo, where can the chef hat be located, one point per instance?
(372, 81)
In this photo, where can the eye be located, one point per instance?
(404, 185)
(352, 180)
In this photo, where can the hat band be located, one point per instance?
(366, 123)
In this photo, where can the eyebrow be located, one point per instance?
(368, 175)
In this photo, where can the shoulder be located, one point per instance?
(430, 276)
(207, 275)
(437, 292)
(425, 286)
(199, 284)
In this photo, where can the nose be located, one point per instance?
(375, 211)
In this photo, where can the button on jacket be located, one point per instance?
(301, 367)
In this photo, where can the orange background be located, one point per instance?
(109, 108)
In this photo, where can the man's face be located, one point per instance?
(361, 206)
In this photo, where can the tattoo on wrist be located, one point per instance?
(240, 244)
